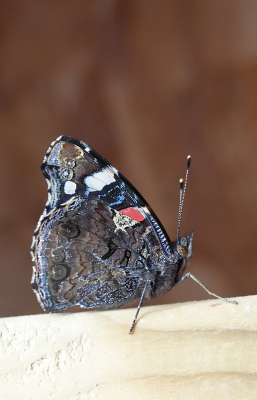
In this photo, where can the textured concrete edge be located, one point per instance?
(63, 356)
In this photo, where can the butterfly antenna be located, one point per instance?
(182, 192)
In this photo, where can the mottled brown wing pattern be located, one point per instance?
(83, 258)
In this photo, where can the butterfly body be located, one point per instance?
(98, 242)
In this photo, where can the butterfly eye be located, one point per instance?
(59, 272)
(183, 251)
(68, 230)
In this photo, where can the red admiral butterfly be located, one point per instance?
(98, 243)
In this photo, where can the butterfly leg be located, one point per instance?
(189, 275)
(139, 305)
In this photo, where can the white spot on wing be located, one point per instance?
(49, 198)
(39, 223)
(113, 169)
(98, 180)
(70, 187)
(48, 184)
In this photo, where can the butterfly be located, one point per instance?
(98, 243)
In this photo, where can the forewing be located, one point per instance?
(115, 240)
(73, 169)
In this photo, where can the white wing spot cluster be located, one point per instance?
(99, 180)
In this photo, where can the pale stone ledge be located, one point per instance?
(199, 350)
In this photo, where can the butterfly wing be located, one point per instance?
(72, 168)
(97, 241)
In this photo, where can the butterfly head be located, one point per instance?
(184, 250)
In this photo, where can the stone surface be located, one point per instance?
(192, 350)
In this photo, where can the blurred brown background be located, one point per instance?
(145, 83)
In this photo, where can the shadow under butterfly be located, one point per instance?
(98, 243)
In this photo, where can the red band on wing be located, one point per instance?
(134, 213)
